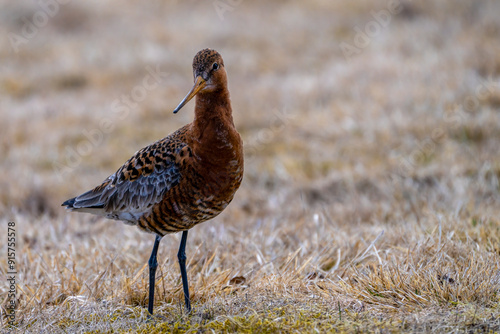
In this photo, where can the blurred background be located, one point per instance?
(327, 92)
(362, 116)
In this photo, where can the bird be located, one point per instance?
(182, 180)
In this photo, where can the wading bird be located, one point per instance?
(181, 180)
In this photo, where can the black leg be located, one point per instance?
(153, 264)
(182, 263)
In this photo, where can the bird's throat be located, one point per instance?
(213, 127)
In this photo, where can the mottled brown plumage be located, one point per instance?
(183, 179)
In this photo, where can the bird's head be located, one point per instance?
(209, 75)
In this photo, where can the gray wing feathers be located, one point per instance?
(141, 194)
(138, 185)
(137, 196)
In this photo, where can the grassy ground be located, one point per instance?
(371, 197)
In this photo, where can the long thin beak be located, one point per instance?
(198, 85)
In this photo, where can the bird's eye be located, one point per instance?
(215, 66)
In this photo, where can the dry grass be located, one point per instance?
(371, 199)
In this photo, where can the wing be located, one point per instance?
(136, 186)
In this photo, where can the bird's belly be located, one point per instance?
(194, 200)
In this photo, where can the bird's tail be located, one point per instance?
(85, 203)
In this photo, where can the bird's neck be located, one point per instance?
(212, 112)
(213, 128)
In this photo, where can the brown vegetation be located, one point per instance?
(371, 196)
